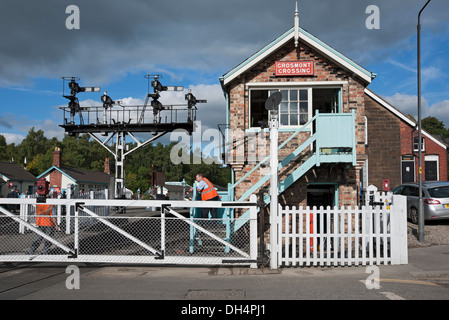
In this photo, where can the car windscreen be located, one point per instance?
(439, 192)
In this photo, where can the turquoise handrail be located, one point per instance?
(305, 126)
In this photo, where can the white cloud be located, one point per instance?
(440, 110)
(402, 66)
(51, 129)
(407, 103)
(432, 73)
(130, 101)
(13, 137)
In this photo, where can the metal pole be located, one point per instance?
(420, 205)
(274, 125)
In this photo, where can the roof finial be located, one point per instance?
(296, 25)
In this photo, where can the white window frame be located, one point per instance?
(414, 167)
(423, 145)
(309, 86)
(309, 107)
(433, 157)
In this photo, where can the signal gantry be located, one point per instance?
(115, 119)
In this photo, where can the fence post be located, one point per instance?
(68, 212)
(253, 231)
(59, 212)
(398, 218)
(106, 196)
(76, 230)
(23, 215)
(163, 230)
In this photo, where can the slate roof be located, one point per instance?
(81, 175)
(308, 39)
(15, 172)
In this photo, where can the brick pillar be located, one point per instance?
(55, 178)
(107, 167)
(57, 157)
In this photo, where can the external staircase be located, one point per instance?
(331, 140)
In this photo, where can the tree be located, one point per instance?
(81, 151)
(435, 127)
(4, 156)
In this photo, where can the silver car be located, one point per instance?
(435, 200)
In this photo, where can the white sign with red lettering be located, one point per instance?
(294, 68)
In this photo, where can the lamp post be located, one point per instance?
(420, 206)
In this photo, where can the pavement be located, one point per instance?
(425, 277)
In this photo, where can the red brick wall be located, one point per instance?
(57, 157)
(353, 98)
(431, 148)
(56, 176)
(55, 179)
(384, 145)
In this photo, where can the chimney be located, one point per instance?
(57, 157)
(107, 168)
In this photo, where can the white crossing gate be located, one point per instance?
(342, 236)
(161, 237)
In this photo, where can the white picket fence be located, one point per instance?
(342, 236)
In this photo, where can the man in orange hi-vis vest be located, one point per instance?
(208, 193)
(46, 222)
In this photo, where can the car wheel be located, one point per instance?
(414, 215)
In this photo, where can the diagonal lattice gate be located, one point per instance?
(169, 236)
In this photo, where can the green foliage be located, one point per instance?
(83, 152)
(435, 127)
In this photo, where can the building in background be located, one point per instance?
(61, 177)
(14, 176)
(392, 147)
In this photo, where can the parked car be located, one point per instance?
(435, 200)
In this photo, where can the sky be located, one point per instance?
(192, 43)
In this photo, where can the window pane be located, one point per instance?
(303, 107)
(284, 107)
(293, 107)
(304, 118)
(293, 95)
(414, 192)
(284, 119)
(439, 192)
(284, 95)
(294, 119)
(257, 106)
(303, 94)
